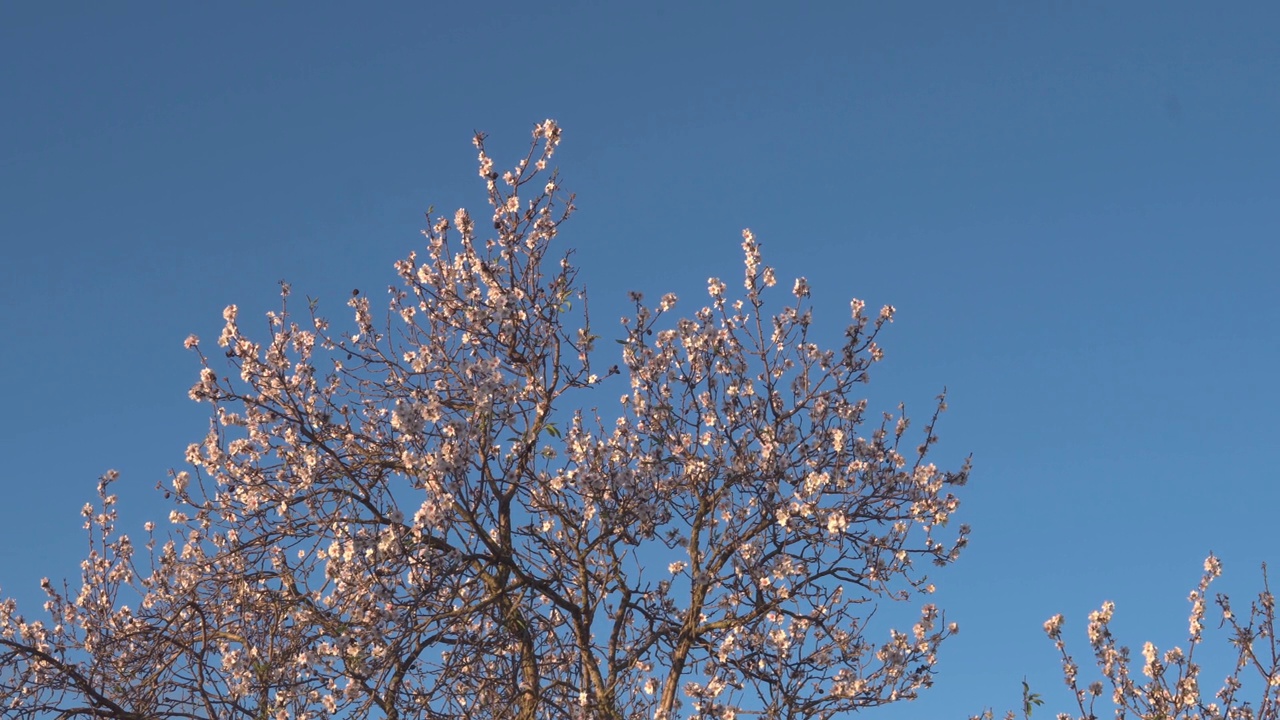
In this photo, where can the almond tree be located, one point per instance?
(1167, 686)
(423, 516)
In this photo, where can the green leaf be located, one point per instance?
(1029, 699)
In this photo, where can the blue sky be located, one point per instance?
(1073, 207)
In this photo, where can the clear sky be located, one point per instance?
(1074, 208)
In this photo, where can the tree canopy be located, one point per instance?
(446, 511)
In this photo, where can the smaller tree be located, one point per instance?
(1172, 688)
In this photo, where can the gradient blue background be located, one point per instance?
(1074, 208)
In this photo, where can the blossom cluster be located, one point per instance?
(1169, 686)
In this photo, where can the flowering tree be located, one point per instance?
(1172, 690)
(419, 518)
